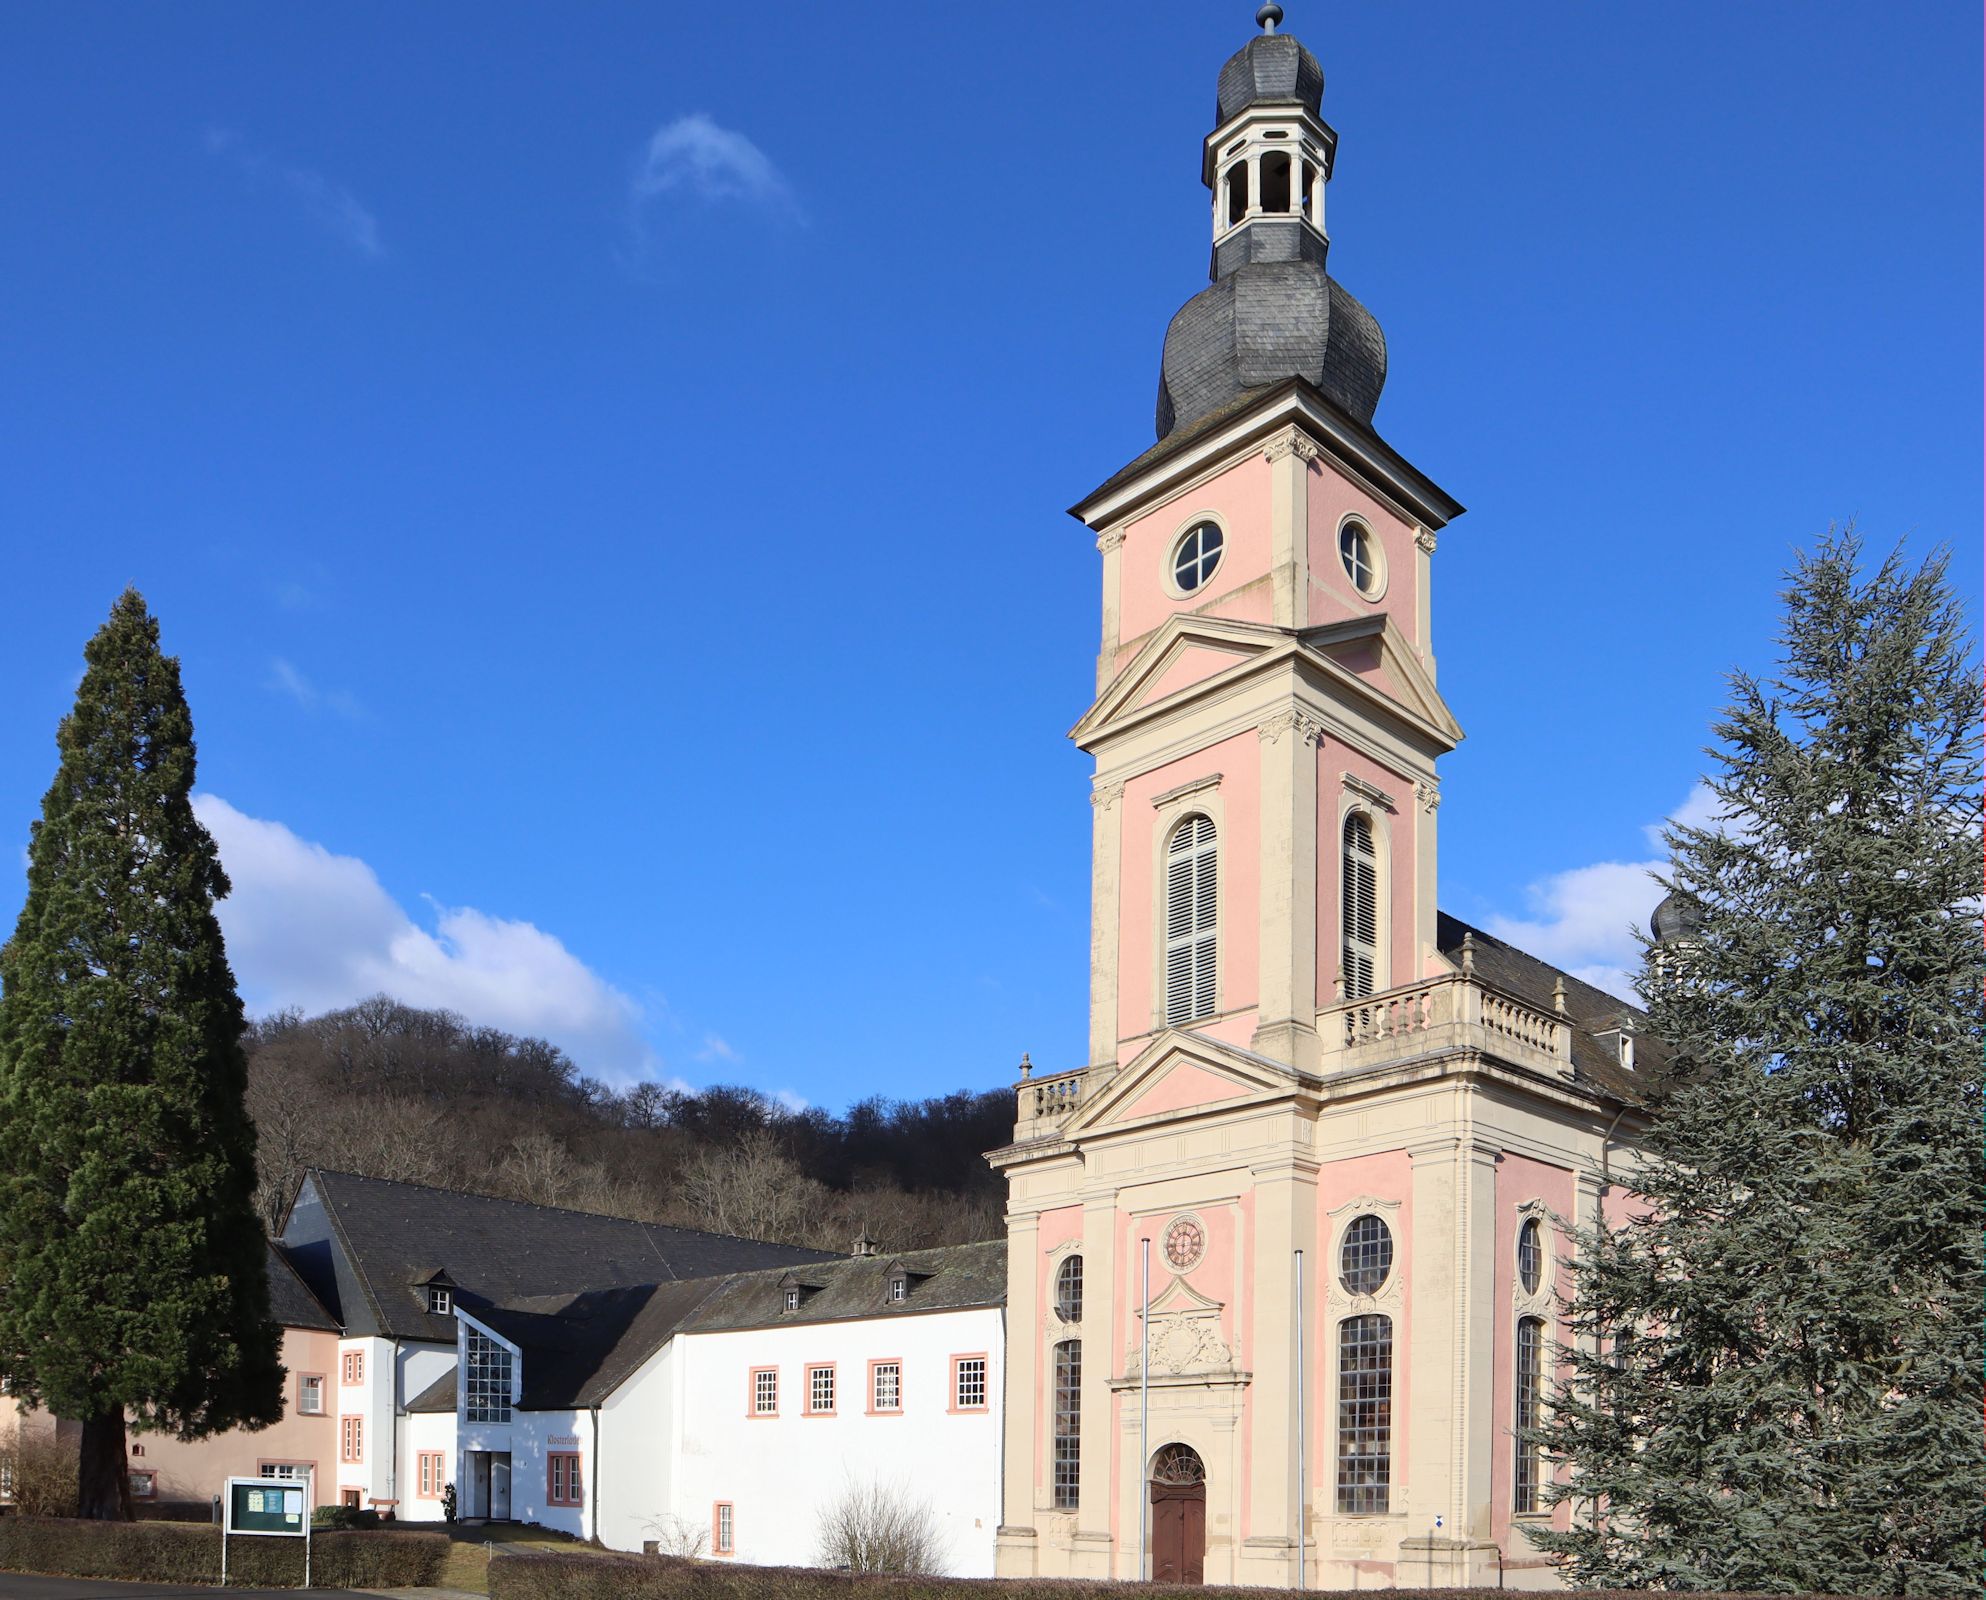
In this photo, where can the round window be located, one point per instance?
(1359, 553)
(1366, 1256)
(1196, 555)
(1530, 1255)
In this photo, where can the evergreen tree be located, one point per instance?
(132, 1265)
(1776, 1365)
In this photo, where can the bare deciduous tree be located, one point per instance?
(753, 1189)
(879, 1527)
(678, 1536)
(40, 1470)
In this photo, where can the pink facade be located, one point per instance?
(1239, 500)
(1394, 833)
(1333, 497)
(1521, 1181)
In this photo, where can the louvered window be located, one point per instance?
(1191, 880)
(1361, 907)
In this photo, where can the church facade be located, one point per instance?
(1282, 1253)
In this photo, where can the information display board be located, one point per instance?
(268, 1507)
(260, 1505)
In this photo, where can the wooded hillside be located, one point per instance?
(389, 1091)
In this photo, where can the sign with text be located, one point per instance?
(267, 1505)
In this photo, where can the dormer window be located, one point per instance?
(793, 1297)
(793, 1292)
(898, 1281)
(441, 1302)
(899, 1288)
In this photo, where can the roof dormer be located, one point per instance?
(436, 1291)
(899, 1282)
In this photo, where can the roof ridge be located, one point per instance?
(493, 1199)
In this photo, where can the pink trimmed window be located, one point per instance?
(310, 1394)
(886, 1386)
(723, 1529)
(820, 1390)
(430, 1475)
(969, 1383)
(562, 1485)
(765, 1392)
(351, 1438)
(351, 1370)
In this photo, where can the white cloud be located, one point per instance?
(694, 157)
(791, 1101)
(309, 928)
(717, 1048)
(1583, 919)
(329, 204)
(285, 679)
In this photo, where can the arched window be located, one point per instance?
(1531, 1255)
(1069, 1290)
(1530, 1375)
(1068, 1462)
(1237, 192)
(1191, 872)
(1361, 907)
(1365, 1415)
(1276, 183)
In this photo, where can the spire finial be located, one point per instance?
(1269, 16)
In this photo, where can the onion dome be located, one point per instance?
(1271, 66)
(1271, 313)
(1675, 918)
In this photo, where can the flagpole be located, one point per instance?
(1144, 1415)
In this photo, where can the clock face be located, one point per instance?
(1183, 1243)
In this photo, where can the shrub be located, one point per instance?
(41, 1470)
(619, 1577)
(879, 1527)
(344, 1517)
(177, 1552)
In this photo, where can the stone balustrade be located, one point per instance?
(1457, 1011)
(1044, 1104)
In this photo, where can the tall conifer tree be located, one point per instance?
(1776, 1374)
(132, 1265)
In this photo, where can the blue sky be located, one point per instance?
(602, 467)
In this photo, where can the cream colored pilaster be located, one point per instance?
(1286, 1014)
(1111, 546)
(1474, 1385)
(1427, 801)
(1424, 588)
(1106, 879)
(1285, 1222)
(1015, 1541)
(1101, 1358)
(1289, 455)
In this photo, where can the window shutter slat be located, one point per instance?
(1192, 902)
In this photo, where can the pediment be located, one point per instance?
(1202, 1072)
(1182, 652)
(1376, 652)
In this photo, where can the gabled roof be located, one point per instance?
(1588, 1008)
(291, 1304)
(954, 1277)
(367, 1245)
(579, 1348)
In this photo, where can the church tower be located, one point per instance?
(1315, 1113)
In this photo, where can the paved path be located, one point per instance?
(30, 1586)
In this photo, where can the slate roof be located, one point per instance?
(1590, 1010)
(365, 1245)
(1262, 322)
(1272, 67)
(579, 1348)
(437, 1396)
(291, 1304)
(953, 1277)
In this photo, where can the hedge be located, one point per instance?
(178, 1552)
(519, 1576)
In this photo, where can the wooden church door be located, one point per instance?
(1179, 1516)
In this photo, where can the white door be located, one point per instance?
(500, 1488)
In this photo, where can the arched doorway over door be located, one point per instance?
(1178, 1487)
